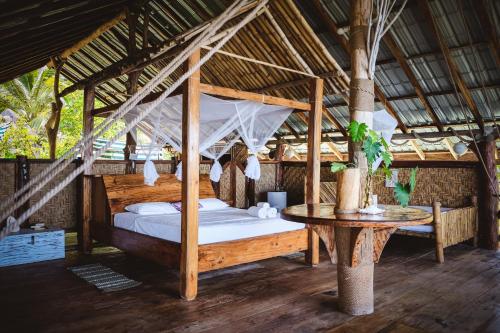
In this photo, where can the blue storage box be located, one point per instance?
(27, 246)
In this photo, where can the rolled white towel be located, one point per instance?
(259, 212)
(272, 212)
(263, 205)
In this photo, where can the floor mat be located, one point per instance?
(104, 278)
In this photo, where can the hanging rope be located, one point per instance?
(55, 168)
(426, 140)
(442, 44)
(178, 60)
(39, 181)
(476, 62)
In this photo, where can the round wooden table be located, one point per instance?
(355, 242)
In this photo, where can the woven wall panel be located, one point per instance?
(267, 181)
(293, 182)
(108, 169)
(61, 210)
(160, 167)
(225, 185)
(205, 169)
(326, 175)
(7, 179)
(453, 187)
(240, 188)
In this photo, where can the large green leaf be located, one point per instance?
(336, 167)
(387, 157)
(413, 179)
(402, 194)
(372, 149)
(357, 131)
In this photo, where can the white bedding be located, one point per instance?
(214, 226)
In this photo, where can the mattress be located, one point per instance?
(423, 228)
(214, 226)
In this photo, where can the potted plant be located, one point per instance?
(375, 148)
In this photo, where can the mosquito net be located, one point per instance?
(222, 124)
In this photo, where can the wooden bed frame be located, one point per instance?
(111, 193)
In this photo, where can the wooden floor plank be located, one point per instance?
(413, 294)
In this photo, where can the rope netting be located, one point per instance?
(15, 201)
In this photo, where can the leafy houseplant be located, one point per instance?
(402, 192)
(374, 147)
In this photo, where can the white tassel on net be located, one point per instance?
(252, 170)
(216, 171)
(150, 173)
(178, 171)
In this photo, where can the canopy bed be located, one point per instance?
(227, 236)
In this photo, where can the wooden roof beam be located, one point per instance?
(398, 136)
(483, 11)
(95, 34)
(454, 72)
(146, 56)
(417, 149)
(449, 145)
(429, 94)
(396, 52)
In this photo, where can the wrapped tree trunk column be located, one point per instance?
(488, 202)
(356, 281)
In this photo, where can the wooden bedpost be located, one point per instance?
(313, 161)
(488, 202)
(132, 84)
(190, 181)
(84, 238)
(438, 230)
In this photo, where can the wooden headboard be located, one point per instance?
(123, 190)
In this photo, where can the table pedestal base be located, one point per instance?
(355, 282)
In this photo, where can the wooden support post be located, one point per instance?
(280, 152)
(250, 192)
(22, 176)
(438, 230)
(488, 201)
(313, 161)
(132, 84)
(84, 238)
(190, 181)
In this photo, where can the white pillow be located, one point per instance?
(212, 204)
(151, 208)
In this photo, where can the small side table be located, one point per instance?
(28, 246)
(359, 240)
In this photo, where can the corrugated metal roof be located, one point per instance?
(412, 34)
(259, 40)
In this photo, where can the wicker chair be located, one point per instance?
(449, 227)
